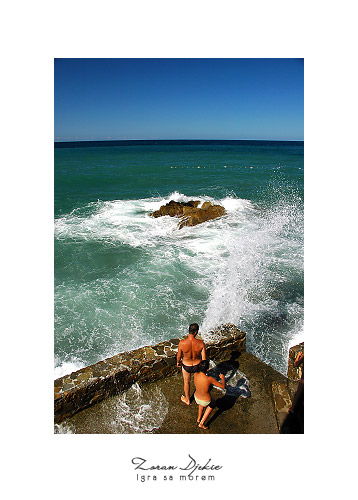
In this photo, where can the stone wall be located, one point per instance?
(88, 386)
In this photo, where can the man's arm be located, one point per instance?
(218, 384)
(179, 355)
(203, 353)
(299, 359)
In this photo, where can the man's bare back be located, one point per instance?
(202, 395)
(191, 349)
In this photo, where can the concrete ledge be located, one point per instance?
(88, 386)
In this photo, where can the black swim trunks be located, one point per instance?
(191, 369)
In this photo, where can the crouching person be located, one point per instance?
(202, 395)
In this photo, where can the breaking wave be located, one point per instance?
(135, 280)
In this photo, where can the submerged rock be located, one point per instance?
(189, 212)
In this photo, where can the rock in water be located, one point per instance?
(175, 208)
(189, 212)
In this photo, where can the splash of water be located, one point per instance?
(135, 280)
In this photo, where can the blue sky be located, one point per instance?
(110, 99)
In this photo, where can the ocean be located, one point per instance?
(124, 279)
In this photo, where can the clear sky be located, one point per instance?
(110, 99)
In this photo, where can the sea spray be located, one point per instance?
(148, 278)
(258, 285)
(131, 412)
(124, 279)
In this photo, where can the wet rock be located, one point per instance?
(189, 212)
(175, 208)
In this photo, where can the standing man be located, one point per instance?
(193, 351)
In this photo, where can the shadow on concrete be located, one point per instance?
(235, 385)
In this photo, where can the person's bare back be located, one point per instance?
(190, 352)
(202, 385)
(191, 349)
(202, 391)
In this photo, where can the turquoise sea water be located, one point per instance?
(124, 279)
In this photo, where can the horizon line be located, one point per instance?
(128, 140)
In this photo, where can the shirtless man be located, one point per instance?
(202, 395)
(193, 351)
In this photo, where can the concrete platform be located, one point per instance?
(256, 414)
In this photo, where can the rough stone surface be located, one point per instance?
(263, 412)
(282, 401)
(92, 384)
(232, 415)
(189, 212)
(283, 394)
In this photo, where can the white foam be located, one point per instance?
(138, 411)
(67, 367)
(236, 204)
(260, 255)
(297, 335)
(237, 259)
(64, 428)
(128, 221)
